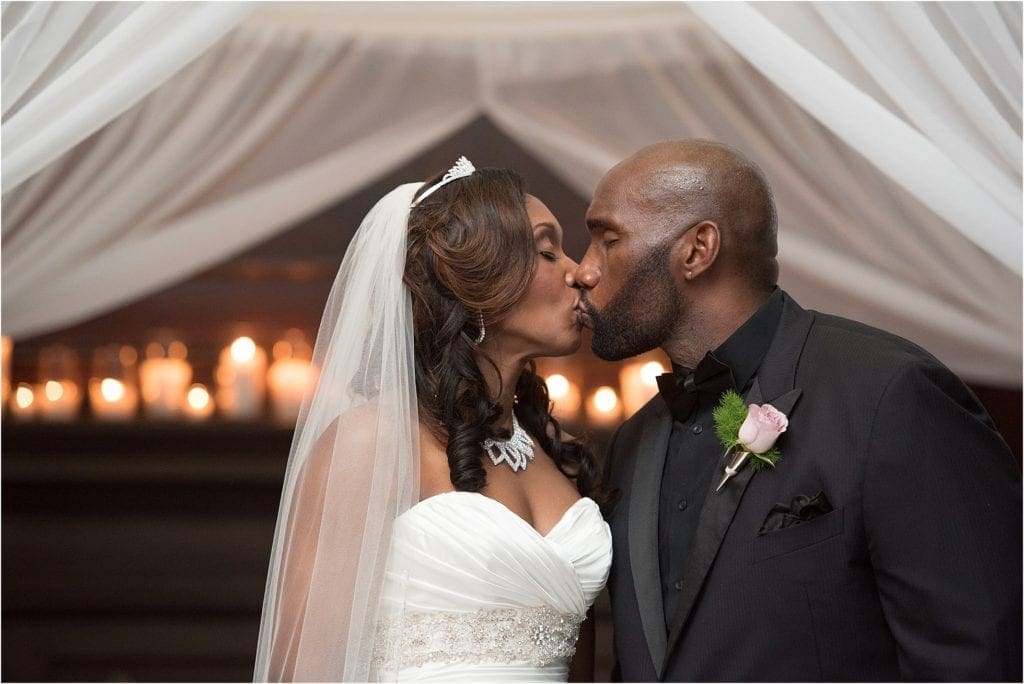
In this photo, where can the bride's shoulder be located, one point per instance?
(359, 428)
(354, 429)
(363, 423)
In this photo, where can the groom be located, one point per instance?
(885, 544)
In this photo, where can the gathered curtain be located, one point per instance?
(292, 112)
(70, 68)
(930, 93)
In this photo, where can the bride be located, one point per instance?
(435, 521)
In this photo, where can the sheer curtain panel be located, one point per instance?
(266, 128)
(929, 93)
(71, 67)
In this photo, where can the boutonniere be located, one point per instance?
(749, 432)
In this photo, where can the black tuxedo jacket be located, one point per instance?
(914, 573)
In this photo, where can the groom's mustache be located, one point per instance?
(590, 313)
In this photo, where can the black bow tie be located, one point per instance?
(682, 389)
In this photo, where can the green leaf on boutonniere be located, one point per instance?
(729, 416)
(768, 458)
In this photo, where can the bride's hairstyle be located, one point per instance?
(470, 258)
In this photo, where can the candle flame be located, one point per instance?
(243, 349)
(53, 390)
(24, 396)
(558, 386)
(198, 397)
(112, 390)
(605, 399)
(649, 373)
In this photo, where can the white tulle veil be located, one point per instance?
(353, 468)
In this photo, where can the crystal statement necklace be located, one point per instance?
(517, 451)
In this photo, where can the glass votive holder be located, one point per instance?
(290, 376)
(164, 377)
(58, 396)
(639, 382)
(241, 380)
(604, 407)
(564, 395)
(113, 387)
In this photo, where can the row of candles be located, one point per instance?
(160, 384)
(605, 406)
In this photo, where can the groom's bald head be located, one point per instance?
(682, 182)
(682, 245)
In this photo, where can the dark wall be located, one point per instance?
(136, 553)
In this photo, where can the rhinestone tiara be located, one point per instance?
(462, 168)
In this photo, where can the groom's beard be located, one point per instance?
(642, 315)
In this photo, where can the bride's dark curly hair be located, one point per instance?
(471, 252)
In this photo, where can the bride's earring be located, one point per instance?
(483, 330)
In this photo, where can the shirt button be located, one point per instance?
(697, 429)
(682, 504)
(678, 585)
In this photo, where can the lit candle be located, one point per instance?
(58, 400)
(199, 403)
(113, 392)
(165, 376)
(23, 404)
(288, 380)
(241, 380)
(5, 370)
(289, 377)
(565, 395)
(113, 400)
(603, 407)
(639, 383)
(58, 397)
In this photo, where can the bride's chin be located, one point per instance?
(569, 345)
(563, 345)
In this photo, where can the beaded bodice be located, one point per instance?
(473, 592)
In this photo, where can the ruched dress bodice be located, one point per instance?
(473, 592)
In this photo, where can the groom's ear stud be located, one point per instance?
(689, 274)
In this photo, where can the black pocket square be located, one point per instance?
(800, 509)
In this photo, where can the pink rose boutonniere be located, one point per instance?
(749, 432)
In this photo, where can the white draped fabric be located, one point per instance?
(302, 105)
(928, 93)
(70, 68)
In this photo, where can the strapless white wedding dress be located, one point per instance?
(472, 592)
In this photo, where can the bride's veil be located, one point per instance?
(353, 467)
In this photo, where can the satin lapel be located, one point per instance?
(645, 495)
(775, 378)
(777, 372)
